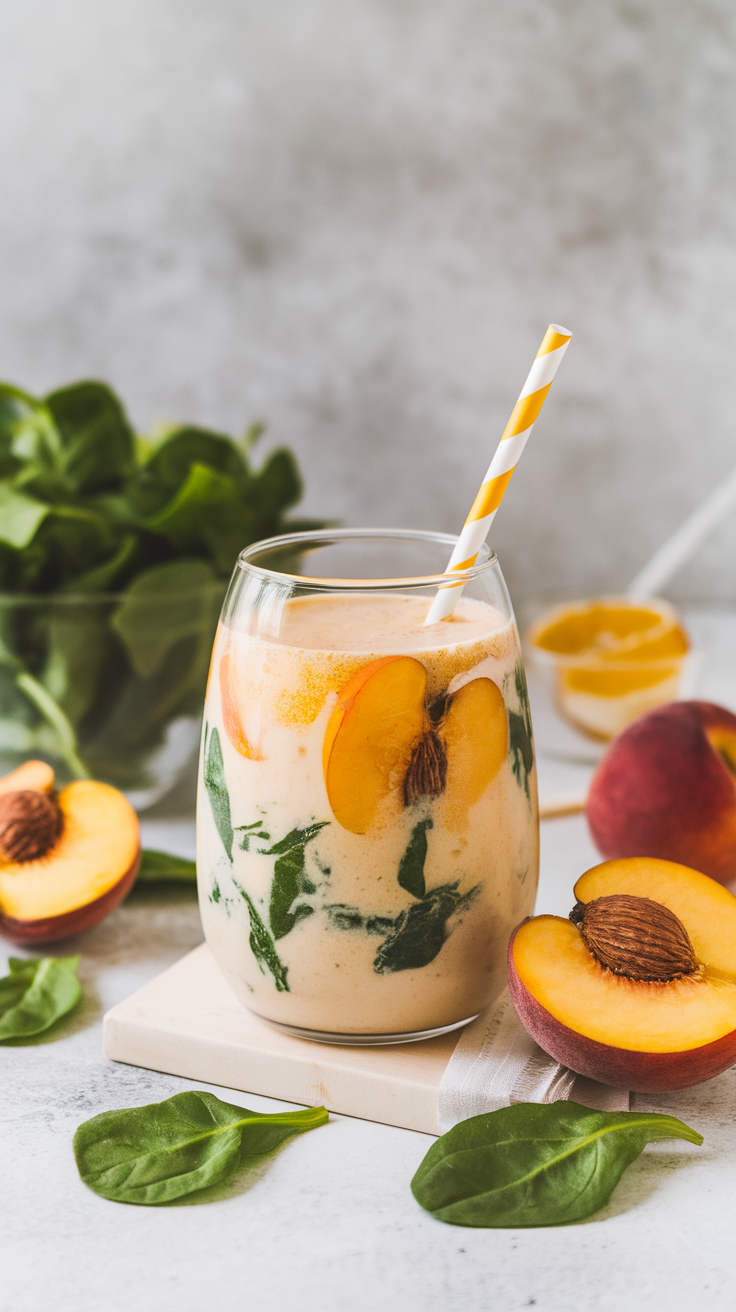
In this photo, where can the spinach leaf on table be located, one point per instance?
(160, 867)
(36, 994)
(535, 1164)
(167, 1150)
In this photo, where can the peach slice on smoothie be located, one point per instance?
(231, 697)
(370, 737)
(382, 738)
(475, 733)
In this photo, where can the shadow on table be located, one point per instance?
(158, 922)
(643, 1179)
(249, 1173)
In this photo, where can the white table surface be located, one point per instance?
(330, 1222)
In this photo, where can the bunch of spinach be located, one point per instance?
(535, 1164)
(115, 551)
(167, 1150)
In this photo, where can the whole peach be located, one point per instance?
(667, 788)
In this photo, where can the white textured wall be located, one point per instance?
(356, 217)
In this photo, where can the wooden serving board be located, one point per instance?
(188, 1022)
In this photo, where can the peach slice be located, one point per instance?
(381, 738)
(646, 1032)
(88, 870)
(476, 736)
(33, 776)
(229, 696)
(370, 736)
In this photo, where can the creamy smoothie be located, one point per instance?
(367, 822)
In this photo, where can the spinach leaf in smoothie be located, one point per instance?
(263, 947)
(214, 782)
(289, 880)
(521, 740)
(37, 993)
(167, 1150)
(535, 1164)
(411, 866)
(420, 931)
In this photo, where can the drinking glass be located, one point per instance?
(367, 825)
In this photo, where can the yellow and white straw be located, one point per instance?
(515, 437)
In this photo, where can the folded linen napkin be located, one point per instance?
(496, 1063)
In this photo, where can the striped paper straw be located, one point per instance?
(514, 439)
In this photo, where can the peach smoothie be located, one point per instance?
(367, 813)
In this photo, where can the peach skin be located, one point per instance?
(638, 988)
(667, 788)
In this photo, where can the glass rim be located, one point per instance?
(94, 598)
(487, 559)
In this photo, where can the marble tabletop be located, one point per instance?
(329, 1222)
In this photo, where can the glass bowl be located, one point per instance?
(109, 685)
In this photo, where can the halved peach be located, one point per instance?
(86, 873)
(370, 736)
(476, 736)
(231, 716)
(34, 776)
(644, 1035)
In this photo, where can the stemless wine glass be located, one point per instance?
(367, 825)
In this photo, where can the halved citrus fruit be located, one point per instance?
(614, 659)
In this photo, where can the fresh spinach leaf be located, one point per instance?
(535, 1164)
(98, 439)
(36, 994)
(214, 782)
(87, 507)
(165, 605)
(157, 867)
(20, 516)
(167, 468)
(521, 740)
(63, 736)
(207, 514)
(107, 576)
(79, 646)
(167, 1150)
(411, 866)
(420, 931)
(32, 444)
(263, 947)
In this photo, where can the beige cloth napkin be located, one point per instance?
(496, 1063)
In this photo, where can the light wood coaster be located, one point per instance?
(188, 1022)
